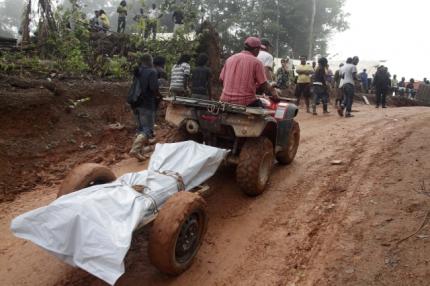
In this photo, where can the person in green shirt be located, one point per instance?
(104, 20)
(122, 16)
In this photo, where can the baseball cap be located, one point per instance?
(266, 42)
(253, 42)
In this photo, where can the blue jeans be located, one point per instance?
(145, 119)
(348, 97)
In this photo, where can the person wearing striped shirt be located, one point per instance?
(181, 73)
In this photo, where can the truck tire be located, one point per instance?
(255, 164)
(177, 233)
(287, 155)
(84, 176)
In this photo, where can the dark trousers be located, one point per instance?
(145, 119)
(151, 26)
(348, 97)
(121, 24)
(303, 89)
(381, 94)
(320, 95)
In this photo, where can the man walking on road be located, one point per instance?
(338, 87)
(364, 81)
(349, 77)
(303, 87)
(382, 84)
(146, 106)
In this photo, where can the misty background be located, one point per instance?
(385, 32)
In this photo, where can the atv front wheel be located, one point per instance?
(86, 175)
(287, 155)
(255, 164)
(177, 233)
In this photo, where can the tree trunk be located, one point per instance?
(47, 14)
(25, 24)
(311, 30)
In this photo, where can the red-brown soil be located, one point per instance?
(317, 223)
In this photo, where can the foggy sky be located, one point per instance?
(386, 30)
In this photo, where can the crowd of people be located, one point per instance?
(147, 20)
(382, 81)
(248, 79)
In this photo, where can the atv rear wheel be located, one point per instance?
(85, 175)
(177, 233)
(181, 135)
(177, 135)
(287, 155)
(255, 164)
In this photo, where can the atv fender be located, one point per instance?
(247, 126)
(177, 114)
(284, 126)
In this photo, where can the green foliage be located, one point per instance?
(116, 67)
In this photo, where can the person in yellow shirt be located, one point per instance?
(303, 87)
(104, 20)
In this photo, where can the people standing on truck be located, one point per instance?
(178, 21)
(146, 106)
(242, 74)
(122, 16)
(349, 77)
(320, 89)
(180, 76)
(104, 20)
(201, 79)
(283, 77)
(382, 83)
(266, 58)
(364, 81)
(152, 22)
(303, 86)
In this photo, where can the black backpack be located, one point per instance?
(134, 92)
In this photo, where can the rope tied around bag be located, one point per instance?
(178, 177)
(175, 175)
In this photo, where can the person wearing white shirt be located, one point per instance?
(151, 24)
(266, 58)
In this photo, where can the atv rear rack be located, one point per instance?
(217, 106)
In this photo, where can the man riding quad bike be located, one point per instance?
(256, 130)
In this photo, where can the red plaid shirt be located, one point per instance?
(241, 75)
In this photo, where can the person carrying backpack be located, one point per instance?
(143, 98)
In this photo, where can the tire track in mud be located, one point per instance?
(289, 263)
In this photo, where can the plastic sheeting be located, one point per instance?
(92, 228)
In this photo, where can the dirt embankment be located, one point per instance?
(41, 133)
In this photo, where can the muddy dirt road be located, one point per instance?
(317, 224)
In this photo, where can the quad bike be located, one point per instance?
(255, 136)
